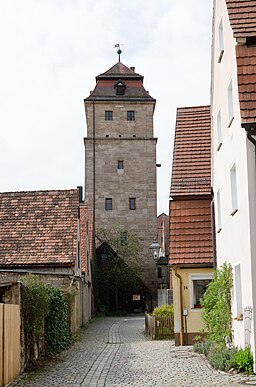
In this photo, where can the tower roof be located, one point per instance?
(110, 83)
(119, 70)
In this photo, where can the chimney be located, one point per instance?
(133, 69)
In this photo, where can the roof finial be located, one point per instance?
(119, 51)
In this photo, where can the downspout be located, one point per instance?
(94, 183)
(181, 307)
(213, 233)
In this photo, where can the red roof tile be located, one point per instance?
(191, 169)
(38, 227)
(190, 232)
(246, 74)
(104, 89)
(242, 16)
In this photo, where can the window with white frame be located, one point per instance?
(219, 130)
(238, 290)
(230, 103)
(218, 212)
(221, 40)
(199, 284)
(233, 186)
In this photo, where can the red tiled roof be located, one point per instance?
(242, 16)
(191, 169)
(104, 89)
(38, 227)
(246, 74)
(190, 232)
(119, 70)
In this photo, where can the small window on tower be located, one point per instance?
(120, 87)
(131, 115)
(108, 115)
(132, 203)
(108, 204)
(120, 164)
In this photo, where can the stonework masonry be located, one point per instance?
(133, 143)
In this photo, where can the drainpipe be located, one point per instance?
(213, 233)
(181, 307)
(94, 176)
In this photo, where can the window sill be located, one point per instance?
(219, 146)
(220, 56)
(234, 212)
(230, 122)
(120, 171)
(240, 317)
(219, 230)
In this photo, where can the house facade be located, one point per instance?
(46, 233)
(191, 247)
(120, 162)
(233, 105)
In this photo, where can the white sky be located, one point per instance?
(51, 51)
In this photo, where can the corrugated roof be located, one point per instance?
(246, 74)
(38, 227)
(190, 232)
(242, 16)
(191, 169)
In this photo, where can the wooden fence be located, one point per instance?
(9, 342)
(159, 327)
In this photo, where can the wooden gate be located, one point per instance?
(9, 342)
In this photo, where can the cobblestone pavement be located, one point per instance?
(113, 352)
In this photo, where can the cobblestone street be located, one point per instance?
(114, 352)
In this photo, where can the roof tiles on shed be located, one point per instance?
(38, 227)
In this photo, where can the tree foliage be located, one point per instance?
(216, 304)
(118, 265)
(46, 312)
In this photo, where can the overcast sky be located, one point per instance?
(51, 51)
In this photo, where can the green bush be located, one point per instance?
(164, 311)
(57, 332)
(202, 346)
(221, 358)
(216, 303)
(46, 312)
(243, 360)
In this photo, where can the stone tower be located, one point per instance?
(120, 158)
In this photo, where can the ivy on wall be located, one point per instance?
(46, 313)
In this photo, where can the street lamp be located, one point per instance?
(155, 248)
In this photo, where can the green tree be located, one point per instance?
(216, 304)
(118, 265)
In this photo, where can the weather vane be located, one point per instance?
(118, 51)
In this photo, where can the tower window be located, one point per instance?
(120, 164)
(108, 204)
(108, 115)
(131, 115)
(132, 203)
(124, 238)
(120, 87)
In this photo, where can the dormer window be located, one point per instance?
(120, 87)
